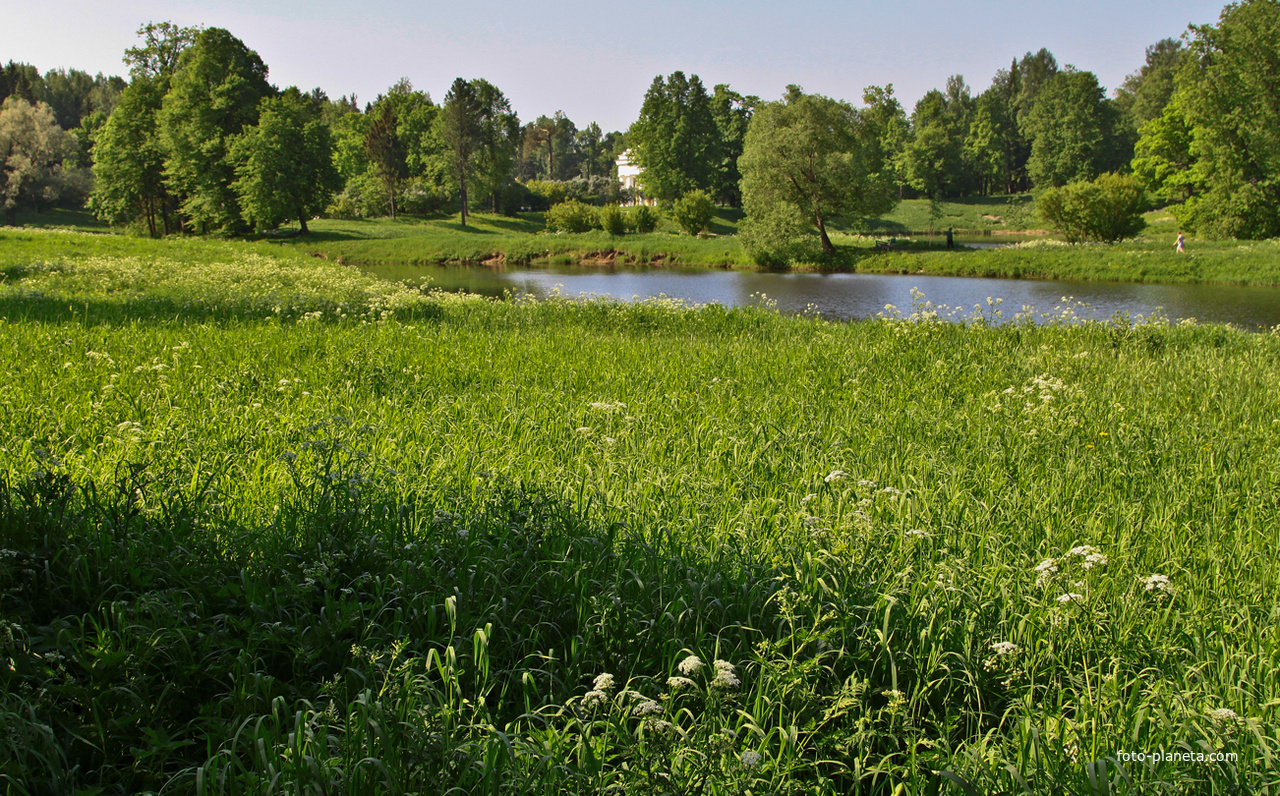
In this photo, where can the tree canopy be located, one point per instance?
(676, 141)
(806, 160)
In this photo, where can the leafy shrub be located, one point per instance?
(643, 219)
(693, 212)
(572, 216)
(551, 191)
(1109, 209)
(779, 237)
(611, 220)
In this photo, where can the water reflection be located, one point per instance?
(849, 296)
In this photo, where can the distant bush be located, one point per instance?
(549, 191)
(572, 216)
(693, 212)
(1108, 210)
(611, 220)
(642, 219)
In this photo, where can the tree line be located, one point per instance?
(198, 140)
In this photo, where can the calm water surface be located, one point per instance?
(850, 296)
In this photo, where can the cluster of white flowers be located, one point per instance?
(834, 475)
(598, 696)
(725, 677)
(1157, 583)
(891, 491)
(1092, 556)
(690, 665)
(1071, 597)
(809, 498)
(865, 484)
(679, 683)
(1005, 648)
(750, 759)
(918, 533)
(1225, 716)
(605, 406)
(648, 707)
(1045, 570)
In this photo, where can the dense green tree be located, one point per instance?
(157, 58)
(21, 80)
(1162, 157)
(805, 161)
(284, 164)
(934, 157)
(128, 161)
(385, 149)
(676, 141)
(33, 149)
(1143, 95)
(548, 148)
(461, 130)
(732, 114)
(1227, 91)
(498, 141)
(888, 119)
(213, 96)
(593, 158)
(990, 146)
(1072, 126)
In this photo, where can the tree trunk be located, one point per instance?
(302, 222)
(827, 248)
(463, 184)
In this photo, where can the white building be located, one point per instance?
(629, 176)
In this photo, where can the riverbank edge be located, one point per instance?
(980, 264)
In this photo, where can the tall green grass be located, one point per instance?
(245, 550)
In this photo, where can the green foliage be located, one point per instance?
(676, 140)
(806, 161)
(483, 570)
(1107, 210)
(38, 156)
(732, 113)
(934, 157)
(128, 162)
(1072, 126)
(612, 221)
(212, 98)
(573, 216)
(1162, 158)
(1226, 92)
(284, 164)
(643, 219)
(692, 212)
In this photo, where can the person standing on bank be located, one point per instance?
(951, 242)
(1180, 239)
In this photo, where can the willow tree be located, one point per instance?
(805, 161)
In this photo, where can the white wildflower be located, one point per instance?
(725, 677)
(1095, 560)
(680, 683)
(603, 682)
(595, 699)
(918, 533)
(1005, 648)
(834, 475)
(647, 708)
(1157, 582)
(750, 759)
(809, 498)
(1071, 597)
(690, 665)
(1224, 716)
(865, 484)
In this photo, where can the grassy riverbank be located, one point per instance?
(267, 525)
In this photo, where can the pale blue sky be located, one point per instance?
(594, 60)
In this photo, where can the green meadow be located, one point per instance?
(270, 526)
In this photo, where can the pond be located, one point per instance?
(851, 296)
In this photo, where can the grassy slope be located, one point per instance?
(263, 517)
